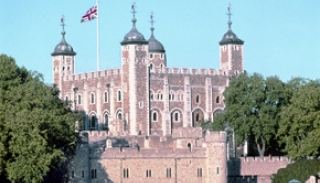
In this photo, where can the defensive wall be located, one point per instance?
(117, 73)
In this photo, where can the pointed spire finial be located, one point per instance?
(229, 16)
(152, 22)
(133, 9)
(62, 24)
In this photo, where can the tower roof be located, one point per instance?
(63, 48)
(134, 36)
(230, 37)
(153, 44)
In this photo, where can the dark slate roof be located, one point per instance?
(155, 45)
(134, 36)
(230, 38)
(63, 48)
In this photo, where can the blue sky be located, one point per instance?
(281, 37)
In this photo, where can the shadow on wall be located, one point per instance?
(234, 173)
(84, 166)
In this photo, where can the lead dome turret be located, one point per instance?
(63, 48)
(155, 45)
(134, 36)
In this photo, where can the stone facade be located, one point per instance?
(141, 120)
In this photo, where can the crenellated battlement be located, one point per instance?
(192, 71)
(261, 166)
(218, 136)
(95, 136)
(245, 160)
(93, 75)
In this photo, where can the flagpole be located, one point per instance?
(98, 51)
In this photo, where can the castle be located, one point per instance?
(142, 120)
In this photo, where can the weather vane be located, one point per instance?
(151, 19)
(229, 15)
(133, 7)
(62, 22)
(229, 11)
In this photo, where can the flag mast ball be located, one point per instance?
(91, 14)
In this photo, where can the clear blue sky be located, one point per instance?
(281, 37)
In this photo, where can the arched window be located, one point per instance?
(217, 99)
(197, 99)
(154, 117)
(92, 98)
(67, 98)
(106, 97)
(151, 96)
(176, 117)
(197, 117)
(79, 99)
(181, 97)
(151, 67)
(119, 97)
(93, 121)
(119, 115)
(151, 55)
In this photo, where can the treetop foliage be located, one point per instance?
(36, 127)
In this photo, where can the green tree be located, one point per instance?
(252, 108)
(301, 170)
(299, 127)
(36, 127)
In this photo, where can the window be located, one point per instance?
(106, 97)
(154, 117)
(140, 105)
(94, 173)
(197, 99)
(218, 170)
(79, 99)
(125, 173)
(151, 96)
(67, 98)
(92, 98)
(68, 68)
(151, 55)
(72, 174)
(161, 56)
(119, 98)
(148, 173)
(176, 117)
(217, 99)
(151, 67)
(199, 172)
(93, 121)
(168, 172)
(119, 115)
(82, 173)
(181, 97)
(197, 117)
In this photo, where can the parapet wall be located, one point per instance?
(256, 166)
(191, 132)
(118, 72)
(220, 136)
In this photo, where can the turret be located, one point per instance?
(157, 56)
(231, 50)
(135, 79)
(63, 59)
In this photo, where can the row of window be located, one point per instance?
(179, 97)
(125, 173)
(158, 96)
(175, 116)
(93, 100)
(234, 47)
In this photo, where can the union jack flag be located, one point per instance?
(91, 14)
